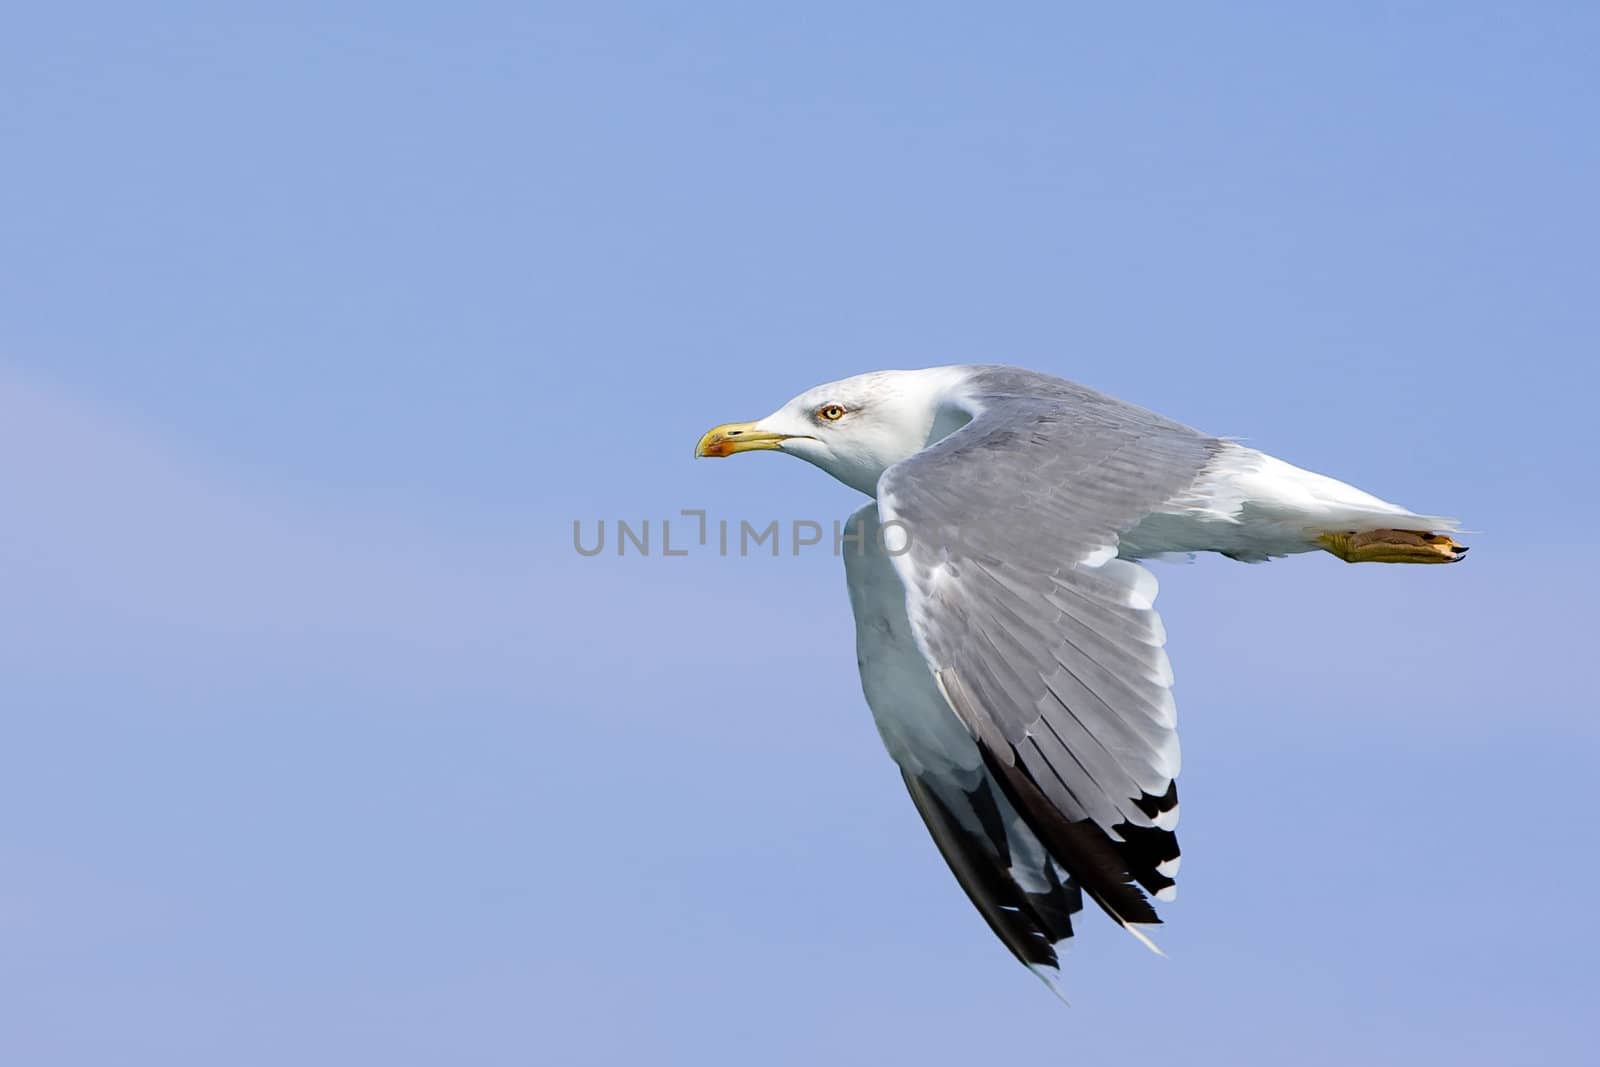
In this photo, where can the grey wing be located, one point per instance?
(1045, 645)
(1027, 899)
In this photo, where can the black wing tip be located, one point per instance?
(1029, 924)
(1113, 873)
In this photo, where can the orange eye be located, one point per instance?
(830, 412)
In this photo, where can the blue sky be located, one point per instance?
(320, 328)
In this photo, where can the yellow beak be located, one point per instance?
(737, 437)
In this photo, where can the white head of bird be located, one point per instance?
(855, 428)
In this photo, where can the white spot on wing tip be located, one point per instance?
(1167, 895)
(1169, 868)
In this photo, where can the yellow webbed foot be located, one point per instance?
(1392, 546)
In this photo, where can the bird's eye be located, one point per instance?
(830, 412)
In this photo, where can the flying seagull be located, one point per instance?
(1007, 640)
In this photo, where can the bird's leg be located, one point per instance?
(1392, 546)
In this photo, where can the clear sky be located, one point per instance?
(320, 325)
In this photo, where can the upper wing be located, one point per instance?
(1044, 644)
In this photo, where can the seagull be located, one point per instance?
(1006, 634)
